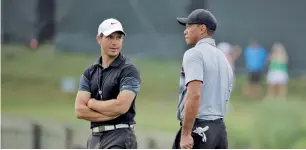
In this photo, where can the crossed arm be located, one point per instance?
(94, 110)
(82, 110)
(113, 107)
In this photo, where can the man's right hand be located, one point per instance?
(186, 142)
(90, 103)
(84, 112)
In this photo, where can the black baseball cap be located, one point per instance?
(200, 16)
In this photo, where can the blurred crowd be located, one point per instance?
(257, 58)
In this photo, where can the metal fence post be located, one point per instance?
(152, 143)
(69, 137)
(37, 132)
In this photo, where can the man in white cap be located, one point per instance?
(107, 93)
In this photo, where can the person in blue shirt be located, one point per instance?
(255, 57)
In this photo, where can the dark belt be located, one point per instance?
(198, 121)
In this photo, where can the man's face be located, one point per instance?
(111, 44)
(192, 33)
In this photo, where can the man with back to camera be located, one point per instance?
(107, 93)
(206, 84)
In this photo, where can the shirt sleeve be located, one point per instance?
(84, 84)
(84, 81)
(193, 65)
(130, 79)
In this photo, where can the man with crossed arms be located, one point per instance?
(107, 92)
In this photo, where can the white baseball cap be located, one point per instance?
(110, 26)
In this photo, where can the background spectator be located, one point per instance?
(255, 56)
(277, 76)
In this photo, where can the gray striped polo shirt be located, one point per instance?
(208, 64)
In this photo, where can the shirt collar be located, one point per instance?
(115, 63)
(207, 40)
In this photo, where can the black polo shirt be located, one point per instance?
(106, 83)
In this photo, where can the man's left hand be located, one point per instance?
(186, 142)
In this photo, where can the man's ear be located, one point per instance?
(203, 28)
(98, 38)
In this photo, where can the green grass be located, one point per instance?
(31, 86)
(31, 89)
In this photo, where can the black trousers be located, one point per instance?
(123, 138)
(206, 135)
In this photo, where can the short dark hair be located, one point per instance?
(210, 32)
